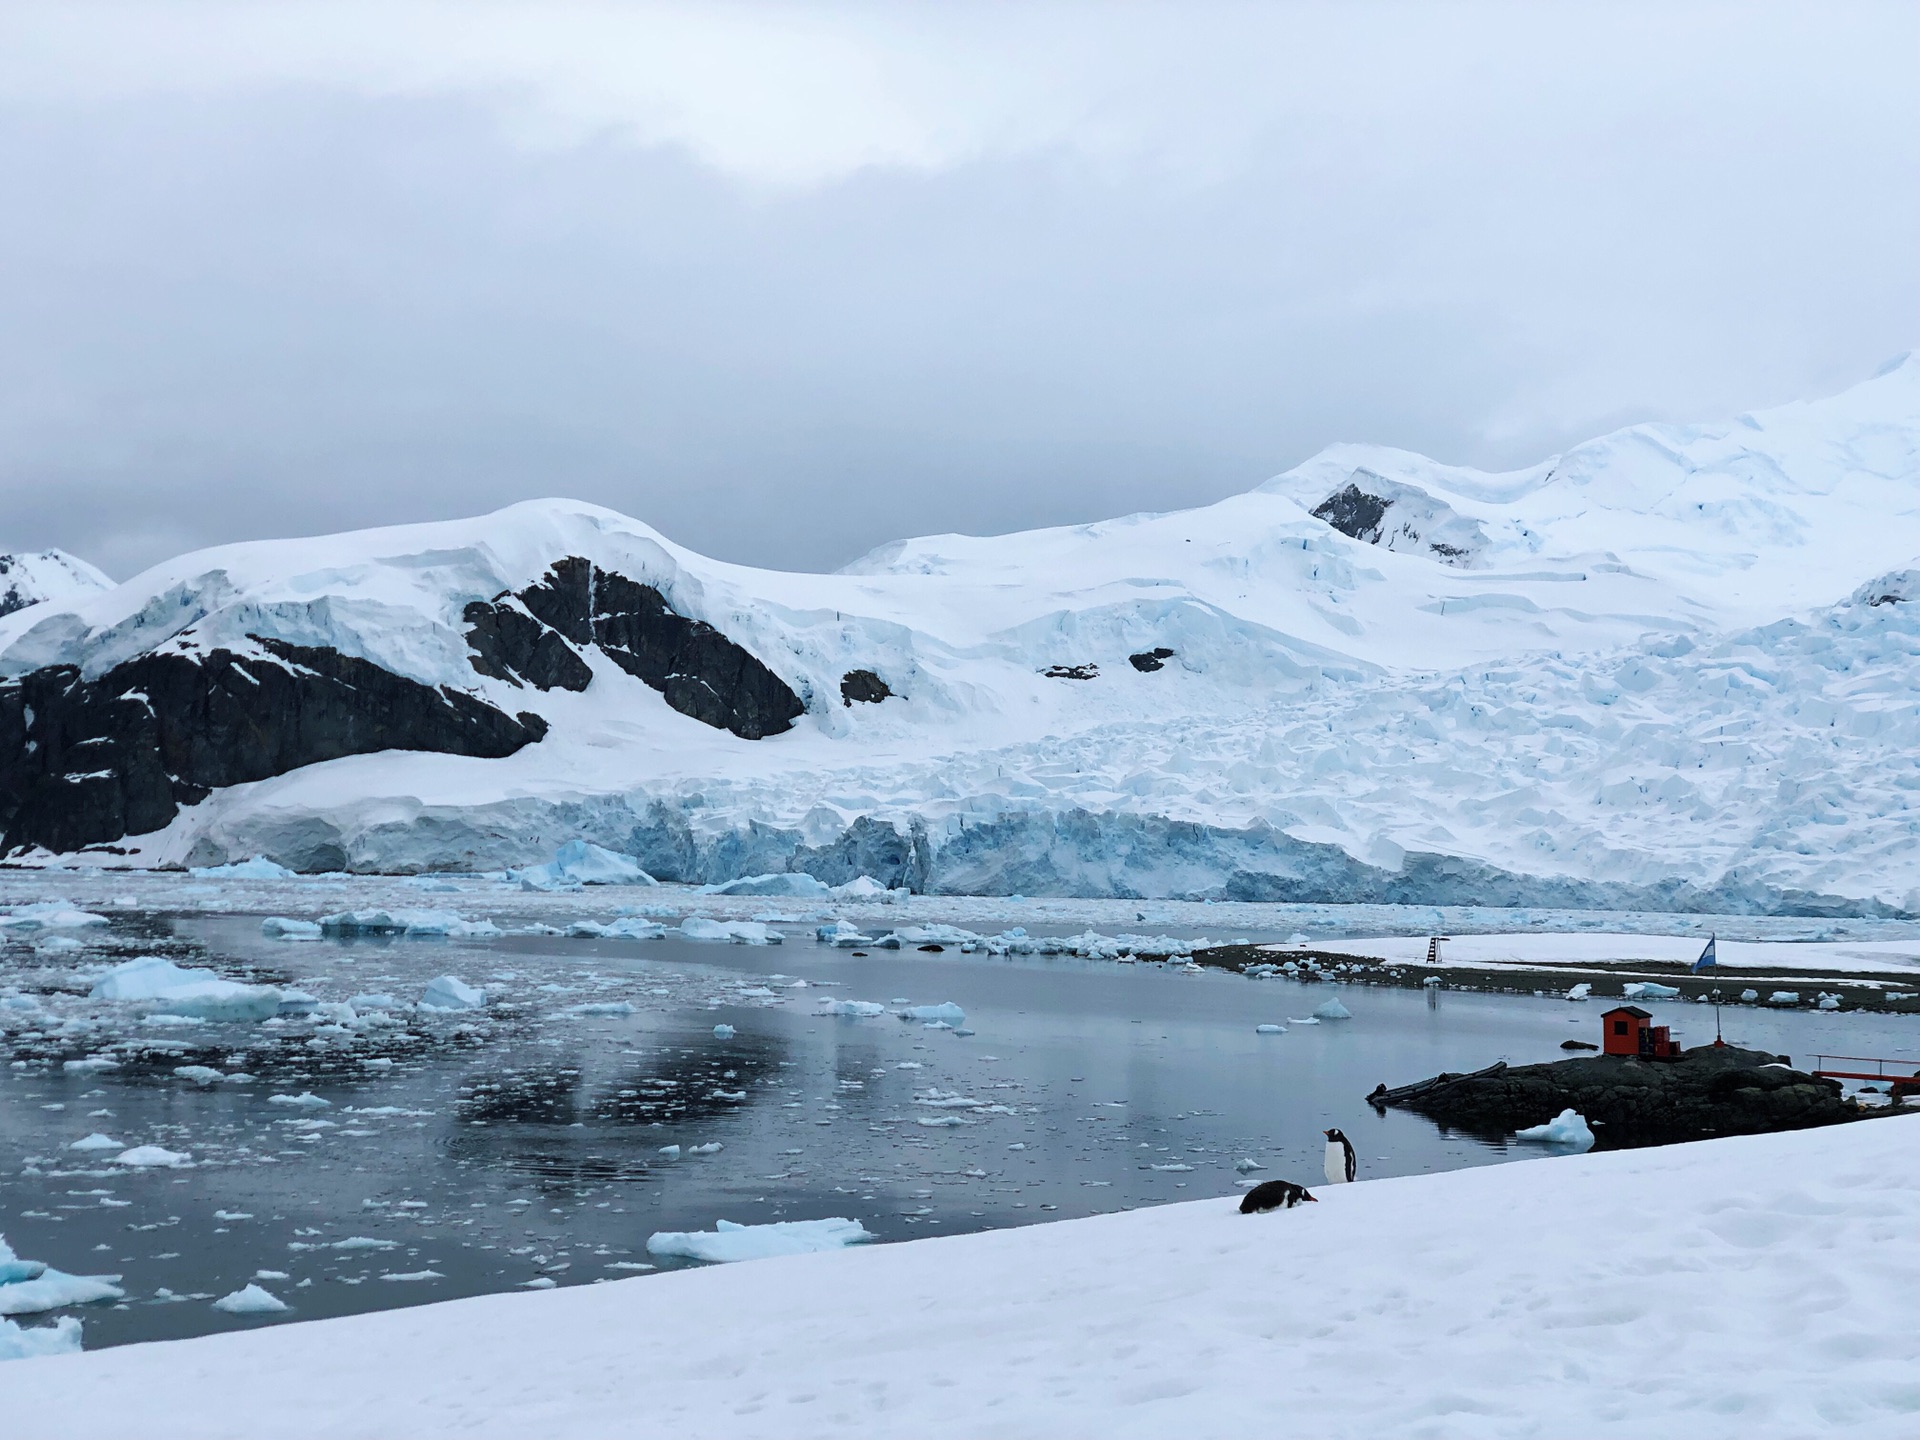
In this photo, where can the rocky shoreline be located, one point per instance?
(1707, 1091)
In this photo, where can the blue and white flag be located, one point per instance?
(1707, 958)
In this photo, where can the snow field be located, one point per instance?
(1755, 1286)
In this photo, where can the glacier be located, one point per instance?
(1666, 670)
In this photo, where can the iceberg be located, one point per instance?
(200, 994)
(579, 862)
(27, 1287)
(626, 928)
(1333, 1010)
(23, 1342)
(1648, 990)
(407, 922)
(1269, 1029)
(151, 1157)
(47, 915)
(450, 992)
(790, 885)
(723, 1032)
(737, 932)
(1582, 991)
(258, 868)
(251, 1300)
(1569, 1127)
(946, 1011)
(862, 1009)
(279, 927)
(97, 1141)
(1784, 997)
(842, 934)
(728, 1242)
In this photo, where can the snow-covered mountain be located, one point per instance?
(1670, 667)
(34, 579)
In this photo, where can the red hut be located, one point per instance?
(1627, 1030)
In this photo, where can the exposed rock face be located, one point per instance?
(532, 636)
(1072, 672)
(1353, 512)
(1710, 1090)
(1147, 661)
(864, 686)
(83, 762)
(1379, 511)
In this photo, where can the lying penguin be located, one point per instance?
(1273, 1195)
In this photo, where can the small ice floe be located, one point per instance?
(258, 868)
(149, 1157)
(1749, 996)
(414, 1275)
(672, 1152)
(1568, 1128)
(91, 1065)
(735, 932)
(195, 994)
(27, 1287)
(1784, 997)
(232, 1215)
(724, 1032)
(97, 1141)
(280, 927)
(1247, 1166)
(1302, 1020)
(24, 1342)
(859, 1009)
(250, 1299)
(946, 1012)
(450, 992)
(1174, 1169)
(1269, 1029)
(578, 862)
(842, 935)
(46, 915)
(603, 1007)
(732, 1097)
(1582, 991)
(305, 1100)
(941, 1122)
(865, 887)
(1648, 990)
(729, 1242)
(199, 1074)
(629, 928)
(1827, 1002)
(1333, 1010)
(787, 885)
(712, 1147)
(539, 1282)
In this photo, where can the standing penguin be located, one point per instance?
(1340, 1161)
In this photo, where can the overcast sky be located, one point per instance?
(790, 282)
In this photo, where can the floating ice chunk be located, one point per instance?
(729, 1242)
(199, 1074)
(1332, 1010)
(147, 1157)
(24, 1342)
(1648, 990)
(414, 1275)
(862, 887)
(1175, 1169)
(579, 862)
(1269, 1029)
(738, 932)
(539, 1282)
(1749, 996)
(940, 1122)
(450, 992)
(407, 922)
(1302, 1020)
(946, 1011)
(842, 934)
(47, 915)
(251, 1300)
(92, 1064)
(374, 1002)
(1784, 997)
(712, 1147)
(628, 928)
(97, 1141)
(305, 1100)
(1569, 1127)
(279, 927)
(1828, 1002)
(603, 1007)
(197, 994)
(723, 1032)
(1246, 1166)
(1582, 991)
(258, 868)
(672, 1152)
(863, 1009)
(789, 885)
(28, 1287)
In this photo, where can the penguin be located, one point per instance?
(1273, 1195)
(1340, 1162)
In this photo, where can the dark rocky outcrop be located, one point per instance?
(1710, 1090)
(864, 686)
(699, 671)
(1147, 661)
(1072, 672)
(1353, 512)
(83, 762)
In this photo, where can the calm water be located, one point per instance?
(473, 1154)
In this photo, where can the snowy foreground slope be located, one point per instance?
(1743, 1287)
(1668, 669)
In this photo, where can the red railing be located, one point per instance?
(1909, 1069)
